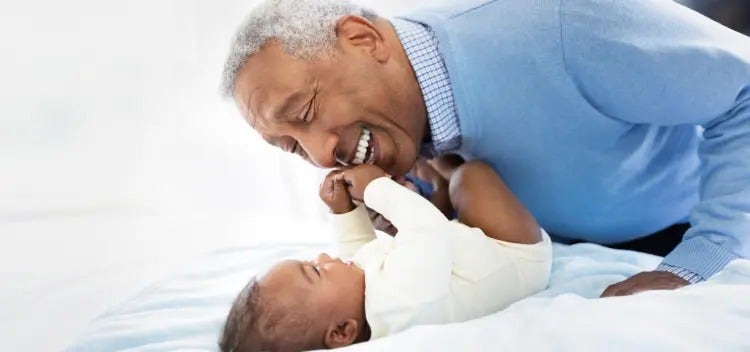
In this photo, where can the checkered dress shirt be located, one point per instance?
(421, 48)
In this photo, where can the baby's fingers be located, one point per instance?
(327, 185)
(339, 188)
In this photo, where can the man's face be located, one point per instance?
(359, 105)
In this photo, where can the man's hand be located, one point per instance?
(333, 192)
(357, 178)
(645, 281)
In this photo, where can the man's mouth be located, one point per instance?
(365, 150)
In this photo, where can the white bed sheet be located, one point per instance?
(60, 272)
(186, 311)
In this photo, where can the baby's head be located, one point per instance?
(298, 306)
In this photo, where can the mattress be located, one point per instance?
(186, 311)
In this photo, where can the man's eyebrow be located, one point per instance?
(251, 121)
(248, 112)
(305, 273)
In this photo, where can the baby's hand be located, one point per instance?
(333, 192)
(357, 178)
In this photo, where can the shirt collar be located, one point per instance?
(421, 48)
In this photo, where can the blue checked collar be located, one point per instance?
(421, 48)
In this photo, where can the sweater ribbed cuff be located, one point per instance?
(685, 274)
(697, 256)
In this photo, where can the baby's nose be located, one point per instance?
(322, 258)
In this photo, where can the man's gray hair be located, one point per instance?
(304, 28)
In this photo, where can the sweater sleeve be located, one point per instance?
(352, 230)
(404, 208)
(417, 270)
(659, 63)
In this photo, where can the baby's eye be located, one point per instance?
(313, 266)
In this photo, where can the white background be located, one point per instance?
(119, 161)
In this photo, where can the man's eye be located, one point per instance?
(297, 149)
(308, 112)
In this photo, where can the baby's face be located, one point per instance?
(332, 289)
(324, 275)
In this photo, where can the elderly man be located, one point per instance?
(610, 120)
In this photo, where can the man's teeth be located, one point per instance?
(371, 159)
(362, 147)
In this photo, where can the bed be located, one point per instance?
(185, 311)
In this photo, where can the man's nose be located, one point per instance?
(320, 147)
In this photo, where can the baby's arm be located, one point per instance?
(403, 207)
(351, 225)
(418, 268)
(482, 200)
(352, 230)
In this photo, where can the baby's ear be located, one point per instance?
(341, 334)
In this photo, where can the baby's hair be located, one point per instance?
(242, 318)
(252, 323)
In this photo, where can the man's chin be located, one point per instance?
(394, 171)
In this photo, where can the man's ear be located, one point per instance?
(359, 32)
(341, 334)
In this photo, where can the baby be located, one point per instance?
(433, 271)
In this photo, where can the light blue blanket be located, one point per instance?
(186, 312)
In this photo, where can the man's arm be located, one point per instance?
(656, 62)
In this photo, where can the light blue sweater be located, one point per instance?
(594, 111)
